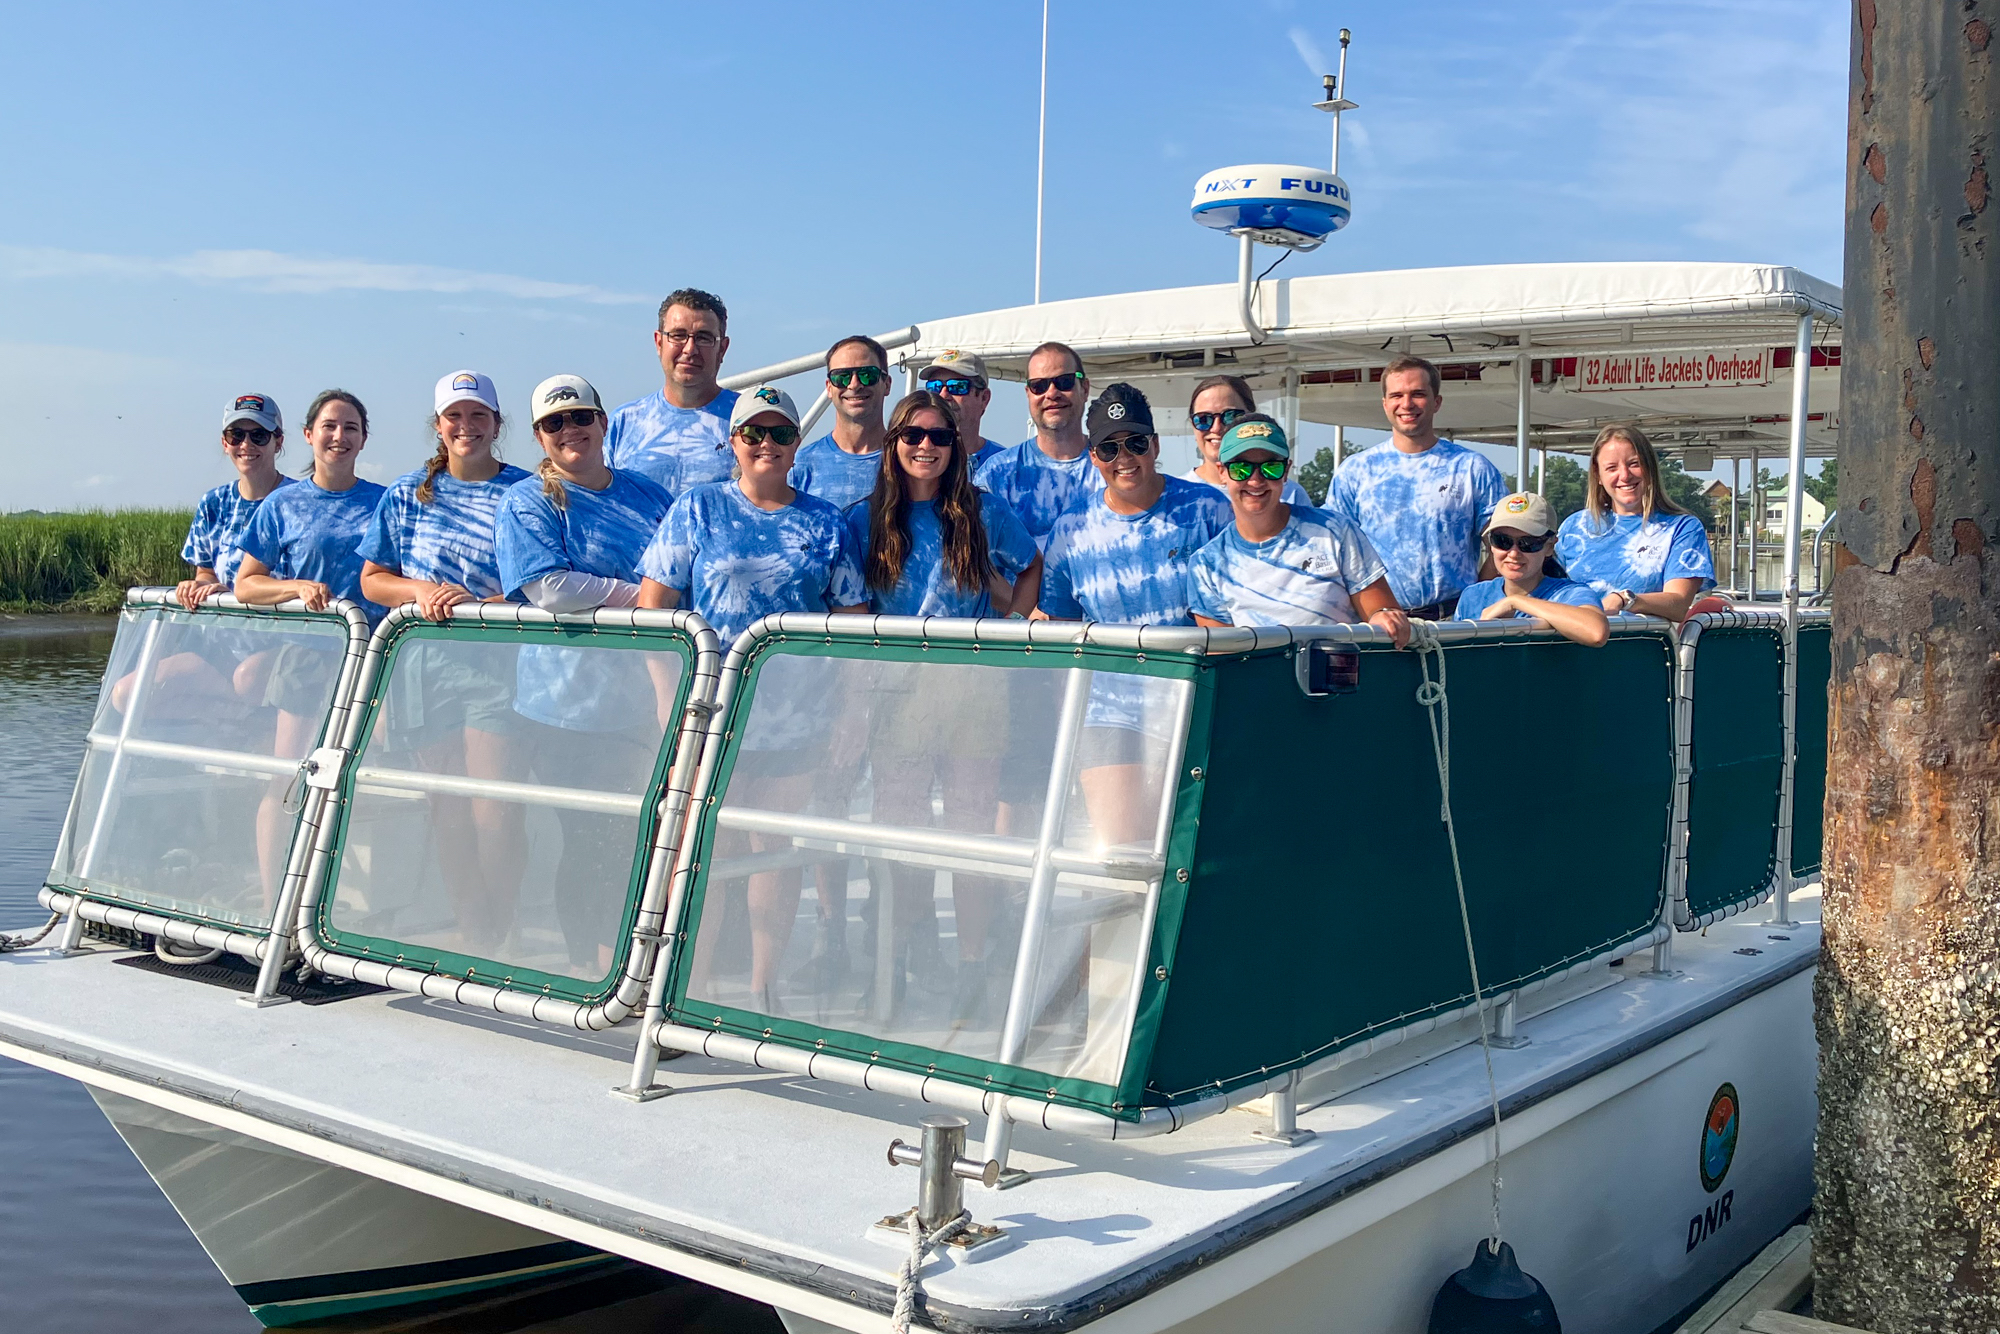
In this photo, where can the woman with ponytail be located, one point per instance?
(431, 545)
(569, 540)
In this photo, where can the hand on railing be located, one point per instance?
(191, 593)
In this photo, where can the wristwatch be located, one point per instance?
(1630, 598)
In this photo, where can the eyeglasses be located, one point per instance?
(1107, 450)
(941, 436)
(581, 418)
(1242, 470)
(1502, 542)
(701, 338)
(1062, 384)
(256, 435)
(956, 388)
(869, 376)
(1209, 421)
(777, 435)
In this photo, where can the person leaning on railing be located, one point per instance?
(253, 435)
(734, 552)
(1638, 550)
(1281, 563)
(568, 540)
(1520, 539)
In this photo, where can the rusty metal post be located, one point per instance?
(1907, 1225)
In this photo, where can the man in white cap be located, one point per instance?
(961, 377)
(679, 436)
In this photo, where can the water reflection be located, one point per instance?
(88, 1245)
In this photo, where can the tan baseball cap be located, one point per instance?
(1523, 513)
(952, 364)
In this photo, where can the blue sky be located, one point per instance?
(207, 201)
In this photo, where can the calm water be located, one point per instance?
(87, 1242)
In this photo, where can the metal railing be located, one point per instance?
(635, 964)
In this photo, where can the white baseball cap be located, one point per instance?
(561, 393)
(1524, 513)
(764, 398)
(465, 387)
(259, 408)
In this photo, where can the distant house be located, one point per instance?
(1811, 513)
(1718, 496)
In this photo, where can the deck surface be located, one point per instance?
(780, 1176)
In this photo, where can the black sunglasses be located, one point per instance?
(1107, 450)
(956, 388)
(1502, 542)
(941, 436)
(869, 376)
(1242, 470)
(256, 435)
(582, 418)
(1062, 383)
(777, 435)
(1209, 421)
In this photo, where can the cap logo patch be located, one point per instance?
(1517, 504)
(766, 395)
(950, 354)
(1116, 412)
(459, 382)
(1253, 430)
(251, 403)
(562, 393)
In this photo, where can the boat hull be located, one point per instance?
(303, 1240)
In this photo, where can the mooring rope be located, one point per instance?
(32, 938)
(906, 1278)
(1437, 705)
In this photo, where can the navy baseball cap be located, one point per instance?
(1119, 408)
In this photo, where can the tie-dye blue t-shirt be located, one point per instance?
(596, 532)
(1036, 487)
(734, 563)
(987, 449)
(1627, 551)
(304, 531)
(1306, 575)
(927, 588)
(1131, 568)
(215, 538)
(678, 448)
(1474, 601)
(449, 541)
(824, 469)
(1424, 513)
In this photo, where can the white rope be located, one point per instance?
(164, 951)
(906, 1278)
(1437, 704)
(32, 938)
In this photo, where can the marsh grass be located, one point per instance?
(85, 562)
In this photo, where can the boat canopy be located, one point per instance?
(1698, 354)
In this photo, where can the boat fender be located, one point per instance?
(1492, 1296)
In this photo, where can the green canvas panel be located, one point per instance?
(1739, 742)
(1815, 677)
(1322, 906)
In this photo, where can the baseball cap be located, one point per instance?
(259, 408)
(1253, 432)
(1532, 515)
(764, 398)
(464, 387)
(955, 365)
(1120, 407)
(561, 393)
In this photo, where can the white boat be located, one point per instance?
(1207, 986)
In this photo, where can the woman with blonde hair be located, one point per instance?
(1639, 551)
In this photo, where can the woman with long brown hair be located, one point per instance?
(1630, 542)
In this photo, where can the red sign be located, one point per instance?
(1625, 372)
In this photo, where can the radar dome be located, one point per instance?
(1298, 207)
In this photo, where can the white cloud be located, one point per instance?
(1308, 49)
(272, 271)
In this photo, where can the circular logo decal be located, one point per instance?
(1718, 1137)
(1116, 412)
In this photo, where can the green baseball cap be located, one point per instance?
(1253, 432)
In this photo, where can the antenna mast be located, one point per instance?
(1336, 97)
(1042, 146)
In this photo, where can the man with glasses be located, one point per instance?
(840, 466)
(961, 377)
(1281, 563)
(1422, 500)
(1044, 474)
(679, 437)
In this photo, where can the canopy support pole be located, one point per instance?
(1339, 447)
(1245, 267)
(1756, 521)
(814, 413)
(1523, 368)
(1794, 521)
(1735, 522)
